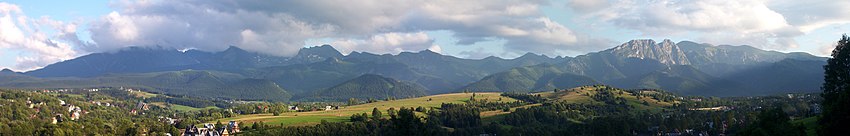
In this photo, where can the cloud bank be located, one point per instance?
(281, 27)
(23, 34)
(769, 24)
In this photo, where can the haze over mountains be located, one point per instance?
(323, 73)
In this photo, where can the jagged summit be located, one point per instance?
(317, 53)
(666, 51)
(323, 50)
(691, 53)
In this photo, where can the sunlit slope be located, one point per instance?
(314, 117)
(639, 99)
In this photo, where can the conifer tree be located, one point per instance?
(835, 118)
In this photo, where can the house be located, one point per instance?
(233, 126)
(168, 120)
(75, 115)
(207, 130)
(142, 106)
(294, 108)
(223, 131)
(57, 118)
(74, 111)
(211, 130)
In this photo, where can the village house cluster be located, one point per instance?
(211, 130)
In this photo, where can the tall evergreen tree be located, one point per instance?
(836, 91)
(376, 114)
(773, 122)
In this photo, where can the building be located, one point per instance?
(294, 108)
(210, 130)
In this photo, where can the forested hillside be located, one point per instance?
(368, 87)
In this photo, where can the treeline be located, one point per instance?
(525, 97)
(188, 101)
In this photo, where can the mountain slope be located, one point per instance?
(681, 79)
(368, 87)
(784, 76)
(678, 68)
(155, 59)
(311, 69)
(209, 84)
(684, 67)
(528, 79)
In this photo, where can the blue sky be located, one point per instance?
(38, 33)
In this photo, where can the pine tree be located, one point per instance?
(376, 114)
(835, 118)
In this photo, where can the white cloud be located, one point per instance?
(747, 16)
(18, 32)
(281, 27)
(826, 50)
(393, 43)
(770, 24)
(184, 24)
(809, 15)
(585, 6)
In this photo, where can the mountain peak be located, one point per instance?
(667, 42)
(666, 51)
(529, 55)
(328, 50)
(234, 49)
(7, 70)
(428, 51)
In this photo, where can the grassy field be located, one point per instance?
(811, 124)
(583, 95)
(343, 114)
(140, 94)
(188, 108)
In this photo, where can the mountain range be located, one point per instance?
(323, 73)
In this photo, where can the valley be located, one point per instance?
(639, 87)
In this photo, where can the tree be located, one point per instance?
(836, 91)
(391, 112)
(353, 101)
(358, 117)
(218, 124)
(773, 122)
(406, 123)
(376, 114)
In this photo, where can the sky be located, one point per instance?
(34, 34)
